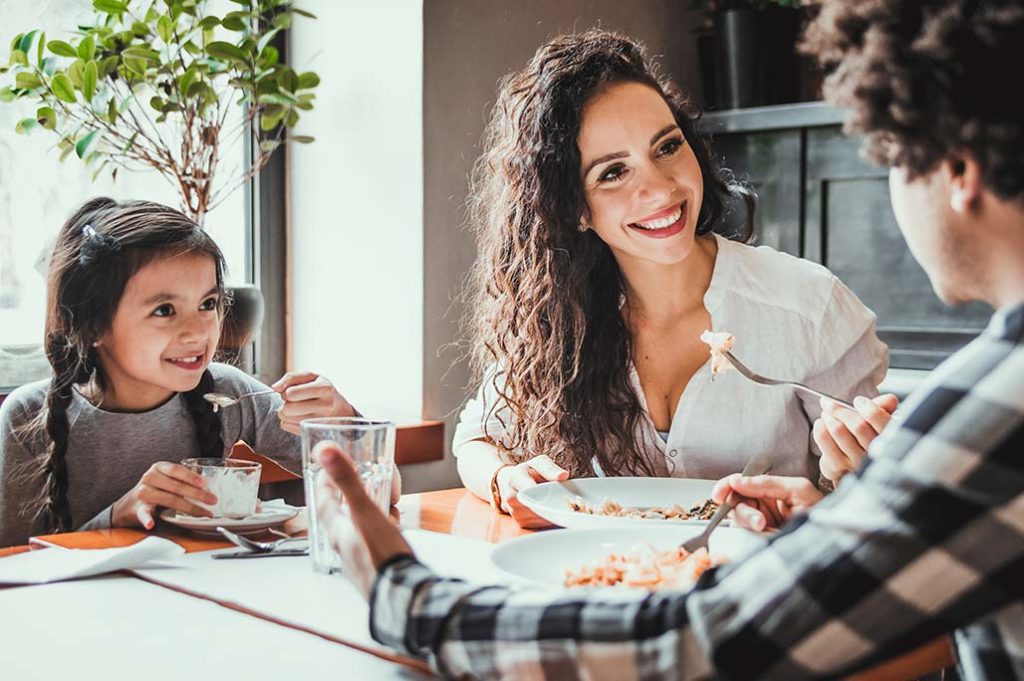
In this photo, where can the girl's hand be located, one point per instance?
(765, 501)
(306, 396)
(358, 531)
(514, 479)
(843, 435)
(164, 484)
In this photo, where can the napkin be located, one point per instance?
(55, 564)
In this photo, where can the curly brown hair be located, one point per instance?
(544, 298)
(927, 81)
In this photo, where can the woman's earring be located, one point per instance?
(583, 226)
(96, 344)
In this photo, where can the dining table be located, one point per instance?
(262, 618)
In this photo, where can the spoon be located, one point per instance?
(220, 400)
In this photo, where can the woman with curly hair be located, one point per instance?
(603, 256)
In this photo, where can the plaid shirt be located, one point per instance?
(927, 538)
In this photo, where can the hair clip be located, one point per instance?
(96, 247)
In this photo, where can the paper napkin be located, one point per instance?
(55, 564)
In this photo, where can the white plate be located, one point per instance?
(550, 500)
(543, 557)
(257, 522)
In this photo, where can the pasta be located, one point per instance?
(701, 511)
(644, 567)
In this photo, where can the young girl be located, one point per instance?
(603, 256)
(135, 297)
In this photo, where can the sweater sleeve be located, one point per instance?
(16, 490)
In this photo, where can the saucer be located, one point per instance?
(268, 516)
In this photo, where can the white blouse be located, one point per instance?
(793, 320)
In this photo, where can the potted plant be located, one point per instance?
(748, 52)
(150, 85)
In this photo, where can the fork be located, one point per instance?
(255, 546)
(758, 464)
(758, 378)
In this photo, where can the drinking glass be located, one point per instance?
(370, 443)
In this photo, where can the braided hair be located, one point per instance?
(98, 250)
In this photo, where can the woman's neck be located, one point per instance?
(660, 295)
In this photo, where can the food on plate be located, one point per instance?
(720, 343)
(701, 511)
(645, 567)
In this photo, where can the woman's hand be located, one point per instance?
(766, 501)
(358, 531)
(843, 435)
(164, 484)
(306, 396)
(514, 479)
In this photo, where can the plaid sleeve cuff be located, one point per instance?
(391, 601)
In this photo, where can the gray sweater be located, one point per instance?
(109, 451)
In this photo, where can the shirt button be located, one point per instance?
(672, 453)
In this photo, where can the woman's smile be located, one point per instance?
(664, 223)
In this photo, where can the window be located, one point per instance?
(38, 192)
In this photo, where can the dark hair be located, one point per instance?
(100, 247)
(545, 297)
(926, 81)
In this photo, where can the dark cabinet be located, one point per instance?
(818, 199)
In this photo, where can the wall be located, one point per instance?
(468, 46)
(356, 244)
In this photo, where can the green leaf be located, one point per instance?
(301, 139)
(46, 117)
(303, 13)
(265, 40)
(40, 47)
(236, 21)
(165, 29)
(140, 30)
(157, 103)
(76, 72)
(16, 42)
(269, 56)
(6, 94)
(141, 53)
(136, 66)
(114, 7)
(26, 80)
(282, 98)
(89, 80)
(112, 111)
(282, 21)
(19, 57)
(61, 48)
(190, 76)
(226, 51)
(108, 65)
(288, 80)
(26, 41)
(308, 80)
(25, 125)
(87, 48)
(63, 88)
(208, 22)
(83, 145)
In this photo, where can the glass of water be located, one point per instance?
(370, 443)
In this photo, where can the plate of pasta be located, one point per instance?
(619, 558)
(621, 502)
